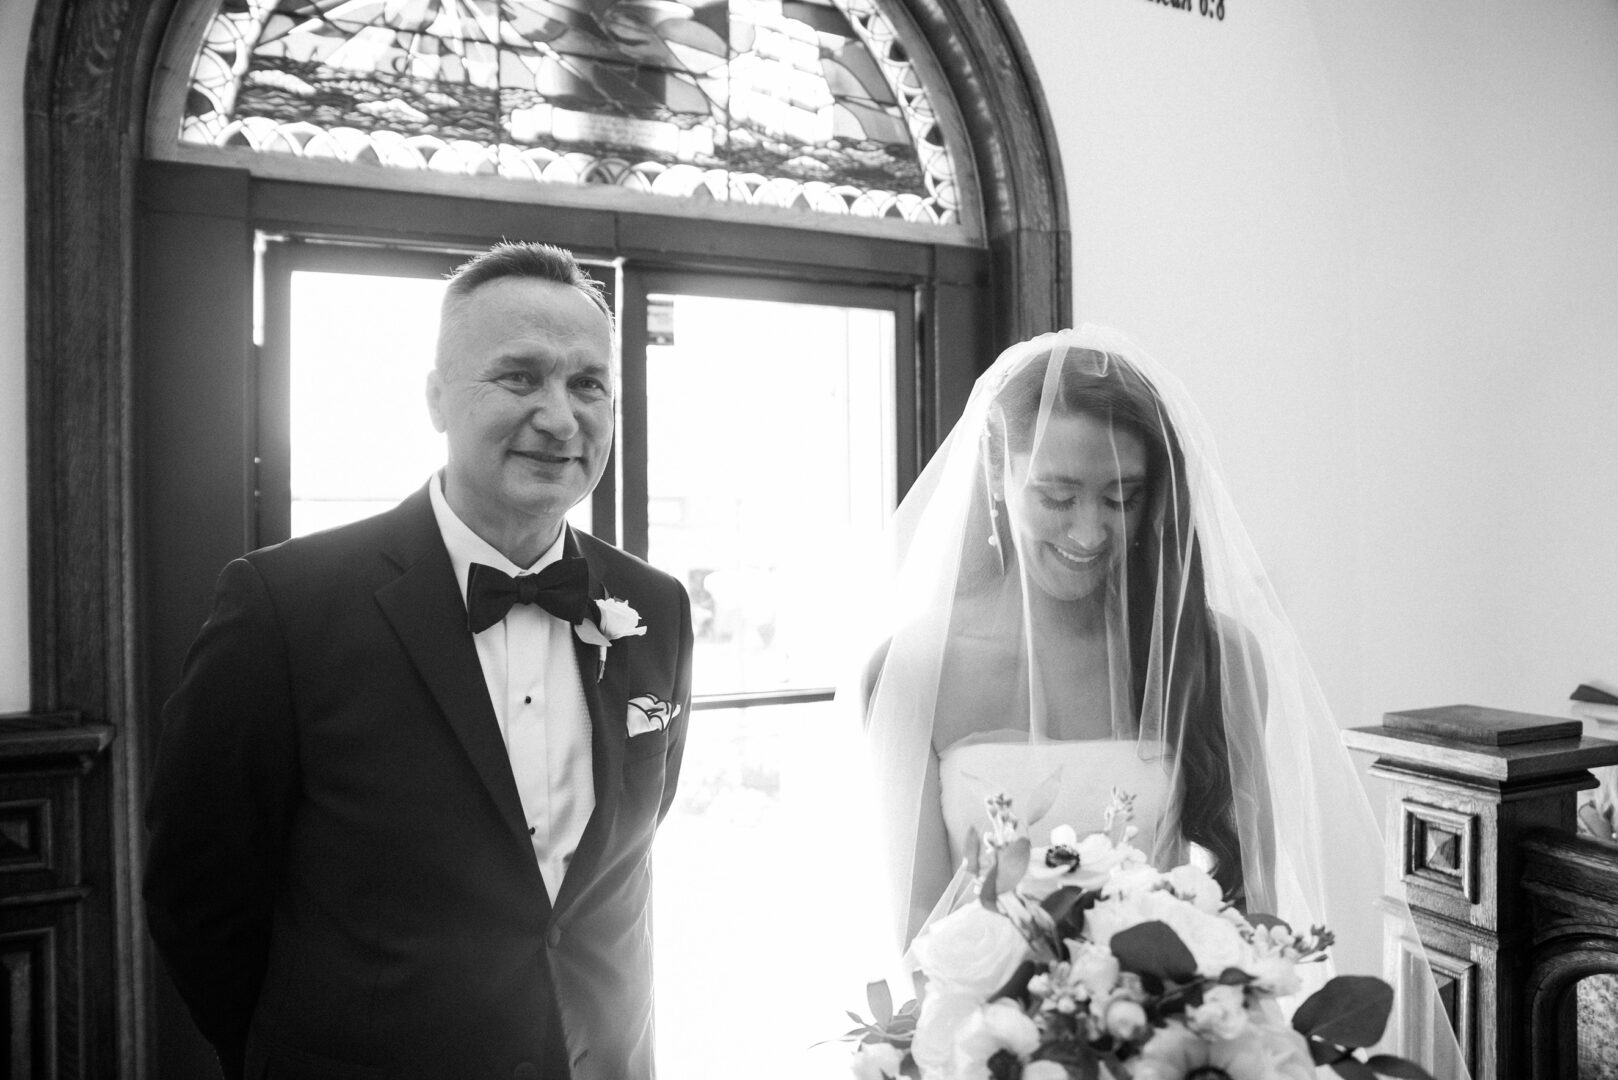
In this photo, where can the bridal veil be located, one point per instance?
(1059, 581)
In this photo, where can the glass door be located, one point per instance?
(775, 439)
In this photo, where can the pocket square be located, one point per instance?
(649, 713)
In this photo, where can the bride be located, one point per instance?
(1076, 608)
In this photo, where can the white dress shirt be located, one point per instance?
(533, 678)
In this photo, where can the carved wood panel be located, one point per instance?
(47, 777)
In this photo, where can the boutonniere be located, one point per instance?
(608, 620)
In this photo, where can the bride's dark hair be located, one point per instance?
(1104, 386)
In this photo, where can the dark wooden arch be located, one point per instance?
(91, 65)
(1558, 965)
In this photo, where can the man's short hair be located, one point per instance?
(547, 262)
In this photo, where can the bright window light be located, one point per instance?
(771, 461)
(361, 349)
(770, 449)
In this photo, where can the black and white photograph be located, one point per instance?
(810, 539)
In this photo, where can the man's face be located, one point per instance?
(524, 393)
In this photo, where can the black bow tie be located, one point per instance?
(562, 588)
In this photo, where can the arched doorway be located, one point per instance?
(97, 420)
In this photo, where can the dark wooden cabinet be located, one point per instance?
(48, 779)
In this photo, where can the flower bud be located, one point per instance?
(1125, 1020)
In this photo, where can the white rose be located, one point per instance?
(1170, 1053)
(1279, 1051)
(1276, 975)
(1130, 876)
(943, 1012)
(1101, 860)
(1264, 1052)
(1196, 885)
(1222, 1014)
(1215, 942)
(877, 1061)
(974, 950)
(1261, 1052)
(1043, 1070)
(617, 620)
(1113, 914)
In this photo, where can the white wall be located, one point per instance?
(15, 19)
(1379, 241)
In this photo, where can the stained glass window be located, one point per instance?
(805, 104)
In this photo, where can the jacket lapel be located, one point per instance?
(608, 735)
(427, 612)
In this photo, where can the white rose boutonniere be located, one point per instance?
(612, 619)
(609, 619)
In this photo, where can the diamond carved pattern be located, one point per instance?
(24, 835)
(1441, 849)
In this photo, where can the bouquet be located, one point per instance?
(1080, 961)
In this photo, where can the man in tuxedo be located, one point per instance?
(404, 799)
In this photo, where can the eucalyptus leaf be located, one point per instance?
(880, 998)
(1152, 948)
(1017, 986)
(1066, 907)
(1325, 1053)
(1388, 1065)
(1012, 864)
(1353, 1068)
(988, 892)
(1350, 1010)
(1043, 798)
(1063, 900)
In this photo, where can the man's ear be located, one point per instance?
(435, 396)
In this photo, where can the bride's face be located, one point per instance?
(1076, 503)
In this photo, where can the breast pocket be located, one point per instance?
(647, 745)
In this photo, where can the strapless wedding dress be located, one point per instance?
(1085, 772)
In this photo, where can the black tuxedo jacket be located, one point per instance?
(340, 878)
